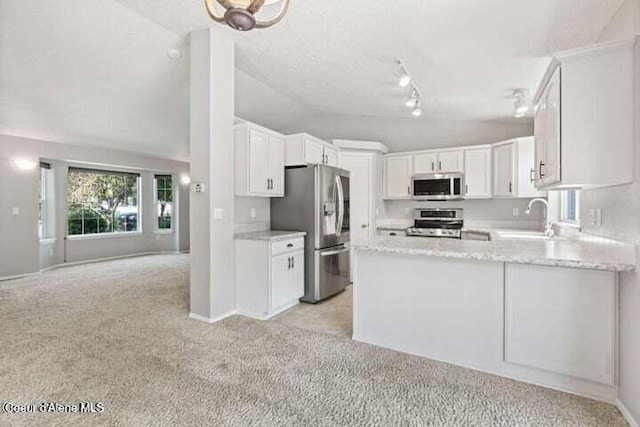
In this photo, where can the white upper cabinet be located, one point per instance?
(450, 161)
(332, 156)
(584, 117)
(259, 161)
(438, 161)
(425, 162)
(397, 176)
(304, 149)
(514, 169)
(504, 170)
(477, 172)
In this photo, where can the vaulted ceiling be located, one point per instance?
(98, 71)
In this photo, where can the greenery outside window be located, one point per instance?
(164, 202)
(102, 202)
(570, 207)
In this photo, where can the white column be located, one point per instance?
(211, 212)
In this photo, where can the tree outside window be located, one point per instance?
(164, 202)
(102, 202)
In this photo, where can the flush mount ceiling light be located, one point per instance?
(521, 108)
(240, 14)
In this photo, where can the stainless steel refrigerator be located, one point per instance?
(317, 201)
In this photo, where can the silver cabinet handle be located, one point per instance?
(466, 189)
(433, 166)
(293, 262)
(510, 187)
(409, 190)
(440, 166)
(542, 175)
(289, 263)
(268, 184)
(336, 252)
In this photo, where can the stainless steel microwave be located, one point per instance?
(437, 186)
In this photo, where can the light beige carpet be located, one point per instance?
(118, 333)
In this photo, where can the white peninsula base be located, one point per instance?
(551, 326)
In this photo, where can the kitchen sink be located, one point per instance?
(525, 235)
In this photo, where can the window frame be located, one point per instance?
(156, 228)
(564, 219)
(109, 234)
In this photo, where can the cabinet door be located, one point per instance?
(280, 281)
(477, 173)
(397, 177)
(332, 157)
(313, 152)
(361, 184)
(450, 161)
(540, 135)
(526, 169)
(425, 163)
(276, 165)
(550, 170)
(258, 163)
(503, 170)
(296, 282)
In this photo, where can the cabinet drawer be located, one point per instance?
(284, 246)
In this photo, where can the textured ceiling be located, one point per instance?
(466, 55)
(97, 71)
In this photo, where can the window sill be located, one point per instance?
(163, 232)
(571, 225)
(104, 236)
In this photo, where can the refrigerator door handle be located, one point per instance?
(336, 252)
(340, 218)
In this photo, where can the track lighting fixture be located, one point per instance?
(414, 101)
(520, 103)
(417, 110)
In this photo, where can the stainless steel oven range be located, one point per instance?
(437, 222)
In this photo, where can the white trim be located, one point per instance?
(626, 414)
(157, 230)
(18, 276)
(104, 235)
(48, 241)
(214, 319)
(89, 261)
(348, 144)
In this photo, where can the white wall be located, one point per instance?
(20, 251)
(621, 220)
(244, 222)
(410, 133)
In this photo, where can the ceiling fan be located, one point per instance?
(240, 14)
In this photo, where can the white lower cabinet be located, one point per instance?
(561, 320)
(269, 276)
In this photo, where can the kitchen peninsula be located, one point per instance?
(533, 309)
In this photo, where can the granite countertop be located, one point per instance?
(269, 235)
(588, 252)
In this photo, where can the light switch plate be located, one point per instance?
(516, 211)
(253, 212)
(198, 187)
(218, 213)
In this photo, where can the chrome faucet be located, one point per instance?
(548, 229)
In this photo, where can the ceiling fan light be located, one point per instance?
(240, 19)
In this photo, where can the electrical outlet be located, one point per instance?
(516, 211)
(253, 212)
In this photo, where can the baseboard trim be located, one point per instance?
(212, 319)
(626, 414)
(88, 261)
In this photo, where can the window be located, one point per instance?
(570, 207)
(43, 197)
(100, 202)
(164, 202)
